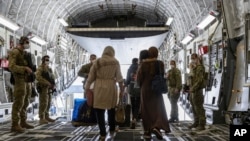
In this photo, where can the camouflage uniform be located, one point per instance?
(45, 96)
(174, 82)
(197, 98)
(83, 72)
(22, 90)
(23, 113)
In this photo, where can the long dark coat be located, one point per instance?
(152, 106)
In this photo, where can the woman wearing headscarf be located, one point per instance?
(153, 112)
(106, 73)
(143, 55)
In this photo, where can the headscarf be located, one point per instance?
(153, 52)
(109, 51)
(143, 55)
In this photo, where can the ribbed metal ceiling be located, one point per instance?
(40, 16)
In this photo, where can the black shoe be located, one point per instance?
(132, 125)
(172, 120)
(177, 120)
(113, 132)
(147, 135)
(102, 138)
(157, 134)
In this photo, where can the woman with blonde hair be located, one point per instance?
(106, 73)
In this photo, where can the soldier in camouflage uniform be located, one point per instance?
(46, 84)
(18, 65)
(174, 87)
(84, 71)
(196, 95)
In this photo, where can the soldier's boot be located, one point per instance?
(201, 125)
(194, 125)
(17, 128)
(50, 119)
(24, 124)
(43, 121)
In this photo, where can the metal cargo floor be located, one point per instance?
(64, 131)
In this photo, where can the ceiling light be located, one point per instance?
(38, 40)
(187, 39)
(169, 21)
(6, 22)
(63, 22)
(206, 22)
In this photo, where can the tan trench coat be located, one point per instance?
(105, 72)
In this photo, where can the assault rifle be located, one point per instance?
(49, 78)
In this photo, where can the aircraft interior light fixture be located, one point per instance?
(206, 22)
(169, 21)
(38, 40)
(6, 22)
(187, 39)
(63, 22)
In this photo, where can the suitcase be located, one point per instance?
(83, 115)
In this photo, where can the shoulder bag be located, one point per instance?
(159, 85)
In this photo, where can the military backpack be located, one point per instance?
(205, 78)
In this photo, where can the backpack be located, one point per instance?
(30, 77)
(134, 89)
(205, 79)
(12, 79)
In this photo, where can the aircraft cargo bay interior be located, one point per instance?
(124, 70)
